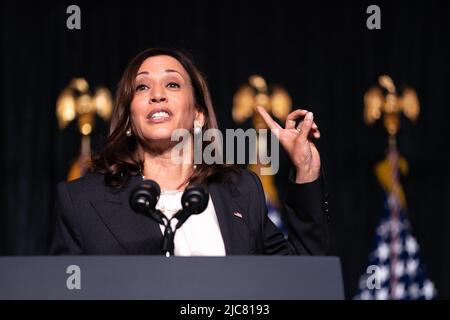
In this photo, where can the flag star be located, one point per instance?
(399, 268)
(383, 251)
(411, 266)
(411, 245)
(428, 290)
(399, 291)
(382, 294)
(383, 273)
(383, 230)
(414, 291)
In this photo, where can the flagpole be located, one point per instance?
(394, 212)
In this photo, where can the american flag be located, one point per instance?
(395, 271)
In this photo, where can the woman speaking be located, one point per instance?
(162, 91)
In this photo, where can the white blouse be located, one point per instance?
(199, 235)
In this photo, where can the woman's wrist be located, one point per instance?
(306, 176)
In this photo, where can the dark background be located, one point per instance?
(320, 51)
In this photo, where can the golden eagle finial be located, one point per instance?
(384, 101)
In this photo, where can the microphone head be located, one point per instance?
(194, 199)
(145, 196)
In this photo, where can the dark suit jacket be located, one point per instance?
(94, 219)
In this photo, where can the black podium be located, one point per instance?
(174, 278)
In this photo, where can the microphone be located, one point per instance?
(143, 200)
(194, 201)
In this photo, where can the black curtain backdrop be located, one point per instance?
(321, 51)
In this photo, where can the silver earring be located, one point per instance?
(128, 132)
(197, 128)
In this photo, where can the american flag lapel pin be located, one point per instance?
(237, 214)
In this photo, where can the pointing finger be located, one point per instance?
(272, 124)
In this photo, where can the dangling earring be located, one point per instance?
(128, 132)
(197, 132)
(197, 127)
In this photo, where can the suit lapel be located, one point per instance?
(136, 233)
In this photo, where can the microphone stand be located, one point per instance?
(168, 245)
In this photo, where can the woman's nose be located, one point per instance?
(157, 98)
(157, 95)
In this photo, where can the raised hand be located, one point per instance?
(297, 141)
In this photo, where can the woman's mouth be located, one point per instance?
(159, 115)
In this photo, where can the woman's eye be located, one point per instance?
(141, 87)
(173, 85)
